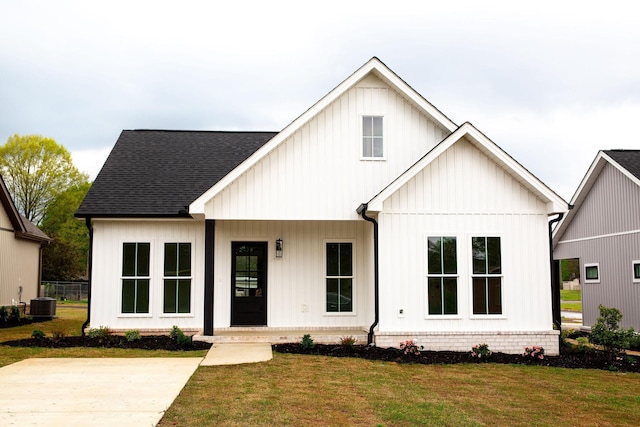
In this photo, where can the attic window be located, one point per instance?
(636, 271)
(372, 137)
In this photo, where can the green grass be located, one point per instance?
(70, 321)
(571, 306)
(569, 295)
(317, 390)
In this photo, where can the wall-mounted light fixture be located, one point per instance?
(279, 248)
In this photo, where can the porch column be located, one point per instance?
(209, 255)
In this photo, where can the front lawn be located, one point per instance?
(319, 390)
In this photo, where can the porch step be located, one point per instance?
(280, 336)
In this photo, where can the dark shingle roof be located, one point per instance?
(156, 173)
(628, 159)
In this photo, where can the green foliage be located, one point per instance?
(37, 333)
(634, 342)
(481, 351)
(101, 333)
(184, 341)
(65, 258)
(348, 341)
(307, 342)
(132, 335)
(570, 269)
(14, 314)
(608, 333)
(36, 169)
(4, 314)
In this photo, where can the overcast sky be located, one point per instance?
(551, 82)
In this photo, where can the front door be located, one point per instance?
(248, 283)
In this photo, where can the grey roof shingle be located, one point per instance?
(158, 173)
(628, 159)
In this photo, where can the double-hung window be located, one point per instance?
(135, 277)
(442, 273)
(372, 137)
(177, 277)
(339, 277)
(487, 275)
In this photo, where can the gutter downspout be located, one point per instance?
(90, 269)
(555, 293)
(362, 210)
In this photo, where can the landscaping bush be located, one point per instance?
(101, 333)
(132, 335)
(183, 341)
(38, 334)
(481, 351)
(307, 342)
(348, 342)
(608, 333)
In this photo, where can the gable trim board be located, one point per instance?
(555, 204)
(238, 207)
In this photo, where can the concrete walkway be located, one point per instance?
(237, 353)
(91, 392)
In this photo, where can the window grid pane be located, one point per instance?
(636, 270)
(339, 280)
(442, 289)
(372, 137)
(487, 262)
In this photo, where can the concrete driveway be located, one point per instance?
(91, 392)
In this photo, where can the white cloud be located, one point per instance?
(90, 160)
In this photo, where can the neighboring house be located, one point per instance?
(370, 211)
(20, 253)
(603, 231)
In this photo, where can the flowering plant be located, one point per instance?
(535, 352)
(481, 351)
(410, 347)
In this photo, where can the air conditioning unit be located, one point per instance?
(43, 307)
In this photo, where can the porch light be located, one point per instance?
(279, 248)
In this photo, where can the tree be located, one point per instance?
(36, 169)
(66, 257)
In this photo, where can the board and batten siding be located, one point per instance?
(19, 264)
(612, 206)
(606, 231)
(464, 194)
(107, 272)
(318, 173)
(296, 289)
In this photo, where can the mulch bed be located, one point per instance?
(570, 358)
(149, 342)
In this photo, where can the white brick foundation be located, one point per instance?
(503, 342)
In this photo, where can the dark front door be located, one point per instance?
(248, 283)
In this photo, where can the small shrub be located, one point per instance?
(183, 341)
(15, 313)
(534, 352)
(307, 342)
(58, 334)
(481, 351)
(410, 347)
(175, 332)
(608, 333)
(37, 333)
(4, 314)
(132, 335)
(348, 342)
(634, 342)
(101, 333)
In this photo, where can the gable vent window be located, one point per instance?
(372, 137)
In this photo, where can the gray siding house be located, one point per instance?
(603, 231)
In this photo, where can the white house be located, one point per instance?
(372, 211)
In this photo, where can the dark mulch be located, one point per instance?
(13, 322)
(150, 342)
(569, 358)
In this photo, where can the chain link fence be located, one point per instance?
(74, 291)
